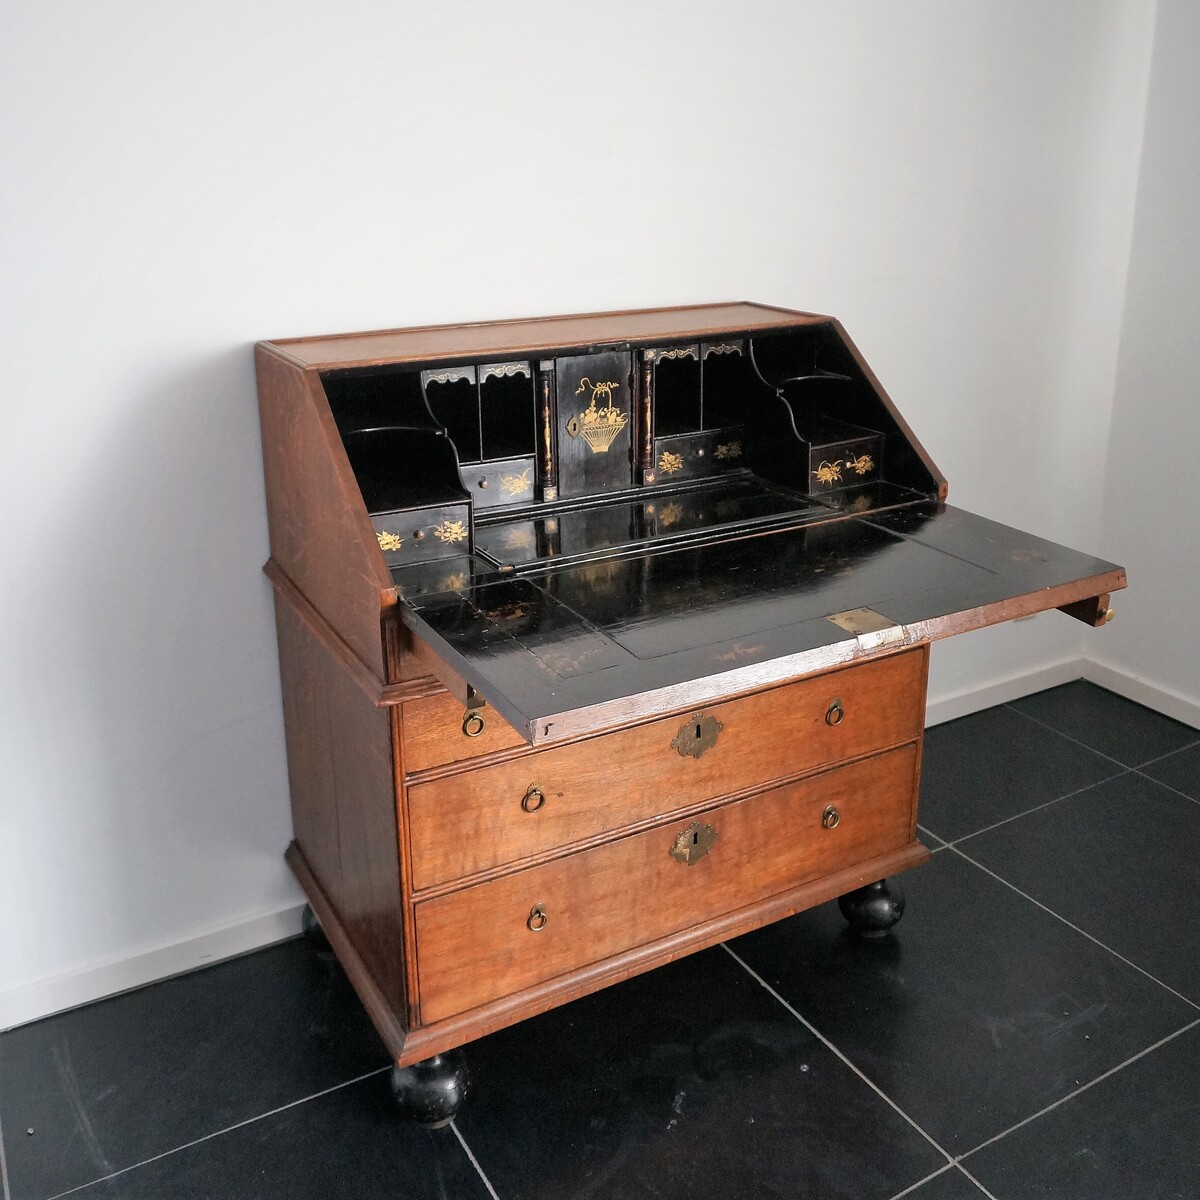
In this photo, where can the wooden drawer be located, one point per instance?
(467, 823)
(433, 733)
(475, 945)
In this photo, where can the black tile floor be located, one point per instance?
(1030, 1029)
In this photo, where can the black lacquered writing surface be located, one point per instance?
(560, 651)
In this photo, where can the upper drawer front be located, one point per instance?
(434, 732)
(471, 822)
(484, 942)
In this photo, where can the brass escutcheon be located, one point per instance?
(698, 734)
(472, 724)
(831, 818)
(693, 843)
(835, 713)
(537, 919)
(534, 798)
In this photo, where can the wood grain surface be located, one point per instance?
(474, 945)
(342, 780)
(634, 775)
(321, 537)
(433, 733)
(530, 336)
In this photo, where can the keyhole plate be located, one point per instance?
(699, 733)
(693, 843)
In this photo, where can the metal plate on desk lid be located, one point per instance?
(870, 627)
(572, 650)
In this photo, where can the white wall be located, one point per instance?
(953, 179)
(1152, 499)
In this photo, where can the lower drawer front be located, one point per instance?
(483, 942)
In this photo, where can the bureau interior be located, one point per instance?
(601, 450)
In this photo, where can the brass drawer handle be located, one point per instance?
(835, 713)
(534, 798)
(537, 918)
(831, 818)
(472, 723)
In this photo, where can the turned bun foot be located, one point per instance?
(874, 909)
(313, 933)
(431, 1092)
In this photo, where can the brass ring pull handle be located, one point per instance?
(534, 798)
(831, 818)
(537, 919)
(472, 723)
(835, 713)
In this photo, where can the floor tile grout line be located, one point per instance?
(1128, 766)
(1169, 754)
(831, 1047)
(1184, 795)
(1087, 787)
(1077, 1092)
(974, 1180)
(1071, 925)
(1066, 736)
(951, 1162)
(4, 1167)
(957, 1168)
(462, 1141)
(941, 845)
(208, 1137)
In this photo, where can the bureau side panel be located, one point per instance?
(340, 771)
(320, 533)
(913, 447)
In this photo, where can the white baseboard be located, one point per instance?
(971, 700)
(44, 997)
(47, 996)
(1170, 704)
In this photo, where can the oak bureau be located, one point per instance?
(604, 638)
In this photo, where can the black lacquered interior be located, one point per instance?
(643, 518)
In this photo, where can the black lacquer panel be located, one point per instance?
(653, 519)
(702, 613)
(695, 455)
(506, 410)
(508, 481)
(453, 399)
(595, 424)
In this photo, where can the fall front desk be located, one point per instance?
(604, 638)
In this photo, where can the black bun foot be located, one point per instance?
(431, 1092)
(313, 931)
(874, 909)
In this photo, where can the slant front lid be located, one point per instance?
(568, 650)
